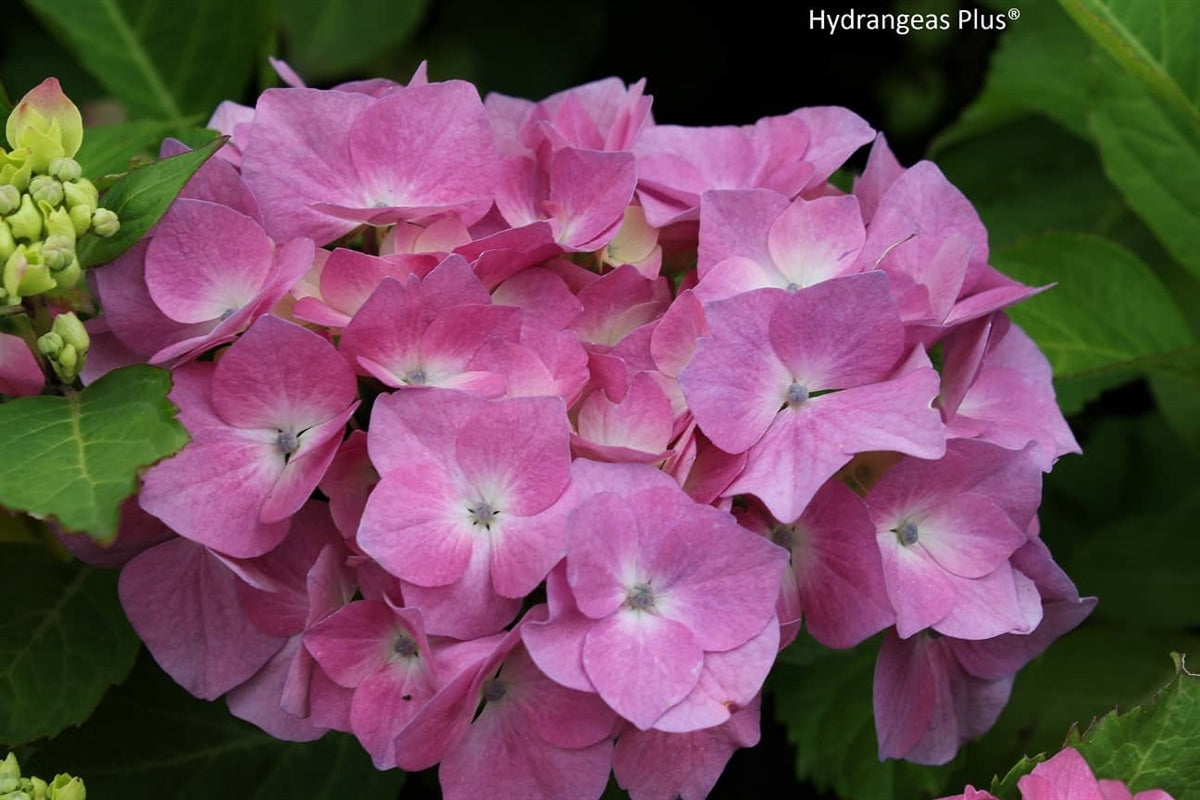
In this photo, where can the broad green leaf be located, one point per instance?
(1179, 401)
(1154, 746)
(163, 59)
(1107, 313)
(63, 641)
(1044, 42)
(75, 458)
(108, 149)
(140, 199)
(327, 38)
(1032, 176)
(1154, 163)
(1153, 583)
(1154, 42)
(826, 707)
(151, 740)
(1082, 675)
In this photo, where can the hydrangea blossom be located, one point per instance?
(525, 434)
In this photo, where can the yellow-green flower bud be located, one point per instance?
(105, 222)
(81, 193)
(58, 223)
(25, 275)
(50, 344)
(26, 223)
(64, 787)
(66, 169)
(67, 278)
(58, 252)
(10, 199)
(45, 189)
(81, 219)
(46, 122)
(15, 169)
(9, 768)
(71, 331)
(15, 795)
(68, 363)
(7, 243)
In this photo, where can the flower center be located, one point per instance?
(796, 394)
(415, 377)
(287, 443)
(482, 514)
(906, 534)
(640, 597)
(493, 690)
(405, 647)
(783, 535)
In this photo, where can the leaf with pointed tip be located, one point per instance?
(140, 199)
(1154, 746)
(75, 458)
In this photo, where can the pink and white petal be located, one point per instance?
(921, 592)
(525, 549)
(467, 608)
(728, 683)
(305, 468)
(556, 644)
(840, 333)
(516, 453)
(385, 702)
(602, 552)
(813, 241)
(641, 664)
(280, 375)
(641, 421)
(354, 642)
(734, 384)
(196, 276)
(969, 536)
(212, 492)
(416, 526)
(835, 133)
(1005, 601)
(736, 274)
(589, 192)
(735, 223)
(183, 604)
(881, 171)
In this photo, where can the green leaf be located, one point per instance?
(331, 37)
(1154, 746)
(1154, 584)
(75, 458)
(1107, 313)
(140, 199)
(1044, 42)
(826, 707)
(151, 740)
(1032, 176)
(63, 641)
(108, 149)
(6, 107)
(165, 60)
(1154, 42)
(1154, 163)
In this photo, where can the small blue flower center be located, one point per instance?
(415, 377)
(906, 534)
(405, 647)
(287, 442)
(482, 514)
(796, 394)
(493, 690)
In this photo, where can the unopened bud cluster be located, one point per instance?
(65, 346)
(45, 202)
(14, 787)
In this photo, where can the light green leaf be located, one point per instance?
(1107, 313)
(826, 707)
(1006, 788)
(75, 458)
(1154, 42)
(63, 641)
(1154, 163)
(165, 60)
(1041, 65)
(1154, 746)
(151, 740)
(327, 38)
(108, 149)
(140, 199)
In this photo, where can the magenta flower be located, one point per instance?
(265, 423)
